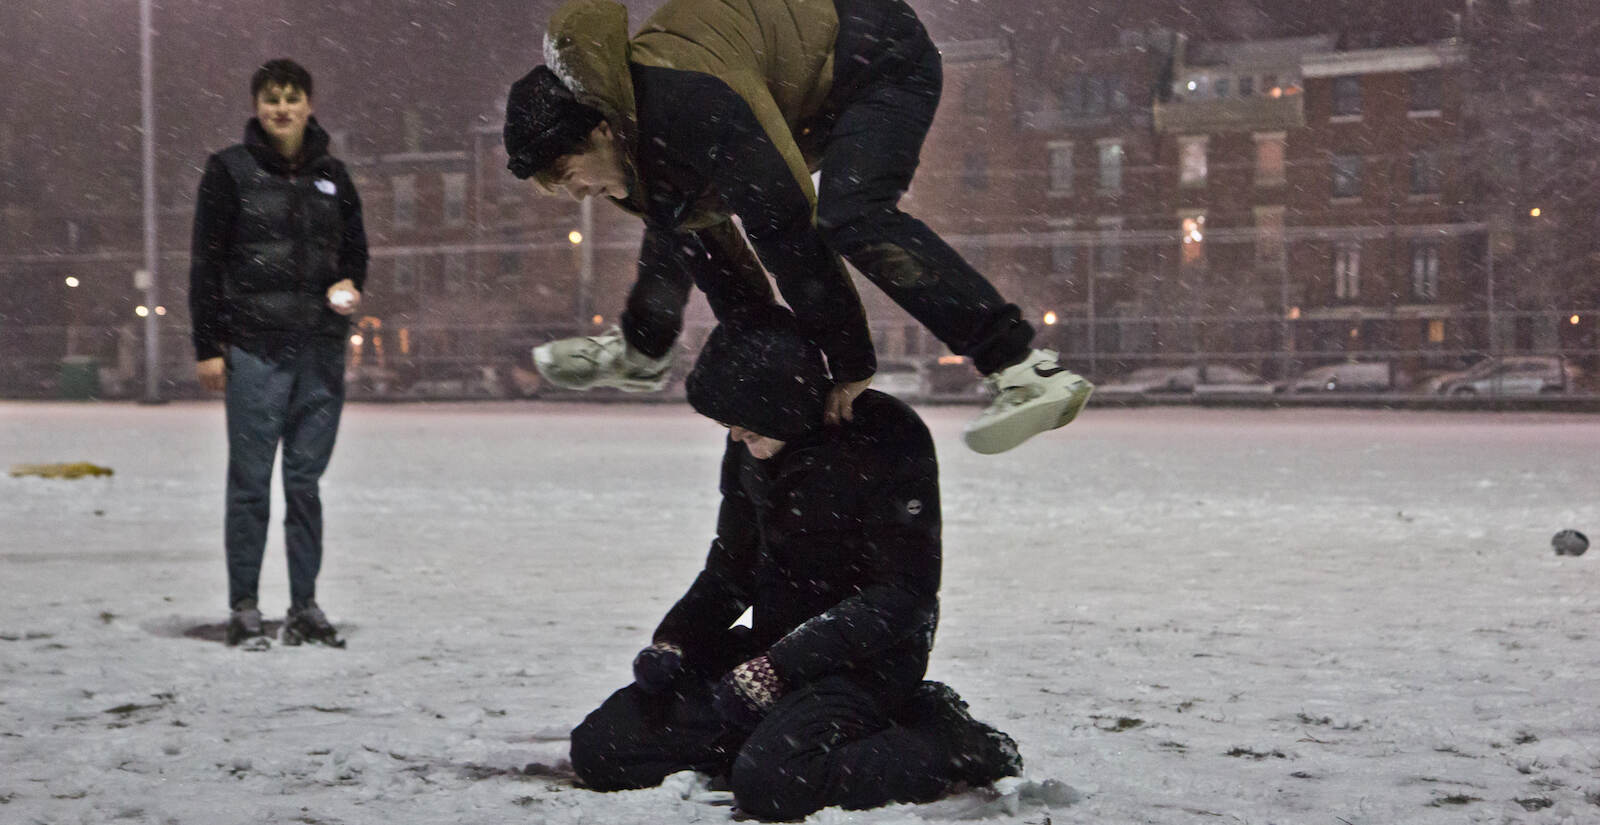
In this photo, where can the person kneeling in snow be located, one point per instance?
(831, 537)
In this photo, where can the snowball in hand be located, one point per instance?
(342, 298)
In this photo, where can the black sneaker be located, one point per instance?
(307, 623)
(245, 627)
(979, 754)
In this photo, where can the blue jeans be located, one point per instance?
(293, 398)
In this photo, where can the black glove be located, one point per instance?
(657, 667)
(747, 692)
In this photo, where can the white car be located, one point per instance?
(905, 380)
(1220, 379)
(1350, 376)
(1519, 375)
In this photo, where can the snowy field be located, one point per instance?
(1189, 616)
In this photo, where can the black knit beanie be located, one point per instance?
(759, 372)
(543, 122)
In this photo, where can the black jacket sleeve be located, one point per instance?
(353, 248)
(755, 183)
(216, 209)
(724, 588)
(898, 599)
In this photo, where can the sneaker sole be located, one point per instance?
(544, 361)
(1002, 434)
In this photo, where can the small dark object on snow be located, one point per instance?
(1569, 543)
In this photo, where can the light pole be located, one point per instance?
(585, 261)
(152, 329)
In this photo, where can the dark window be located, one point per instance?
(1119, 92)
(1072, 94)
(1095, 98)
(1247, 86)
(1427, 91)
(1425, 175)
(1347, 95)
(1347, 176)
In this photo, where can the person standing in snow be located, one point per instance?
(279, 258)
(720, 109)
(830, 536)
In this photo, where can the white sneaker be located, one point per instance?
(1032, 396)
(603, 360)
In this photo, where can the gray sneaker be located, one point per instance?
(245, 627)
(307, 623)
(1030, 397)
(603, 360)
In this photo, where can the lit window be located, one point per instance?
(1270, 243)
(1270, 152)
(1347, 271)
(1111, 166)
(1194, 239)
(1192, 160)
(1425, 270)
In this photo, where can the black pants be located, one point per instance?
(828, 743)
(867, 164)
(294, 398)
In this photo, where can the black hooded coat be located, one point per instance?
(835, 544)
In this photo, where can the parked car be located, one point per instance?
(906, 380)
(1219, 379)
(1349, 376)
(1512, 375)
(475, 382)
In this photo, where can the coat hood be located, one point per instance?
(586, 45)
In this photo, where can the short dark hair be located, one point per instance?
(281, 72)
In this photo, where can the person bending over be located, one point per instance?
(720, 109)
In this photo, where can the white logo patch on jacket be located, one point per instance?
(327, 187)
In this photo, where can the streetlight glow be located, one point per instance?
(141, 311)
(598, 320)
(161, 310)
(1049, 319)
(575, 237)
(1535, 212)
(357, 339)
(1574, 319)
(72, 280)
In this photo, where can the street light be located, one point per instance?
(72, 281)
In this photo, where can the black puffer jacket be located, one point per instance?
(835, 544)
(269, 239)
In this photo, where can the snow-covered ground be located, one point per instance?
(1190, 616)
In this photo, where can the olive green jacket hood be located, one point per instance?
(777, 55)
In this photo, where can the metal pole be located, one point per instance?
(1094, 346)
(152, 328)
(586, 261)
(1489, 297)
